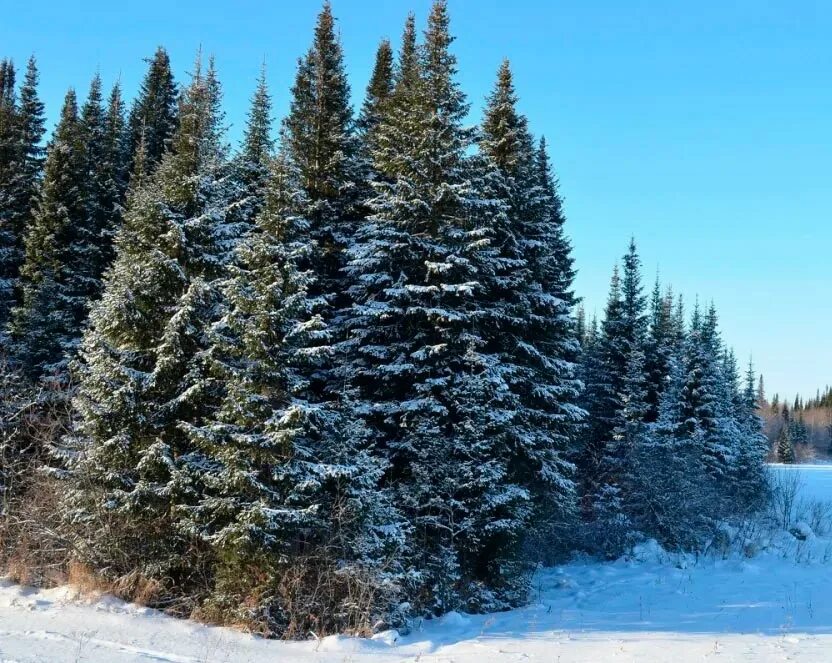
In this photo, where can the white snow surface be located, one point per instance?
(650, 607)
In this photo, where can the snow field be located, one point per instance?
(650, 607)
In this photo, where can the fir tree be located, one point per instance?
(415, 354)
(250, 168)
(378, 92)
(659, 348)
(555, 264)
(749, 470)
(10, 235)
(105, 150)
(605, 368)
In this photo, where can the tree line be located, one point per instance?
(801, 432)
(340, 379)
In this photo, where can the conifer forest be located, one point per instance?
(336, 378)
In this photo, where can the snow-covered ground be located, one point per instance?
(647, 609)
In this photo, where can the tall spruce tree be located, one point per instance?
(106, 167)
(113, 173)
(143, 368)
(557, 263)
(319, 139)
(46, 326)
(21, 163)
(154, 115)
(378, 92)
(433, 398)
(10, 235)
(525, 314)
(286, 483)
(617, 395)
(250, 167)
(659, 349)
(749, 471)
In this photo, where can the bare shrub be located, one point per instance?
(786, 486)
(818, 515)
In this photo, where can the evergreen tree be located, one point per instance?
(659, 349)
(554, 265)
(605, 368)
(250, 168)
(47, 324)
(10, 235)
(525, 310)
(434, 399)
(143, 369)
(750, 476)
(378, 92)
(617, 395)
(785, 448)
(154, 115)
(112, 174)
(319, 140)
(106, 167)
(285, 484)
(21, 163)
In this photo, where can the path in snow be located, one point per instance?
(648, 609)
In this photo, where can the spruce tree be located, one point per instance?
(785, 447)
(525, 316)
(154, 115)
(21, 163)
(250, 167)
(555, 263)
(112, 174)
(749, 470)
(604, 371)
(142, 370)
(378, 92)
(10, 235)
(659, 349)
(710, 396)
(318, 138)
(433, 398)
(105, 150)
(46, 326)
(286, 484)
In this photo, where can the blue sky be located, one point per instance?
(703, 128)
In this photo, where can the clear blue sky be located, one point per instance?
(702, 128)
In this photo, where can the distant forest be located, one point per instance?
(799, 431)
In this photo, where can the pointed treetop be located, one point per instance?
(257, 140)
(198, 139)
(379, 88)
(92, 112)
(505, 135)
(31, 110)
(69, 110)
(381, 82)
(317, 131)
(407, 68)
(154, 111)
